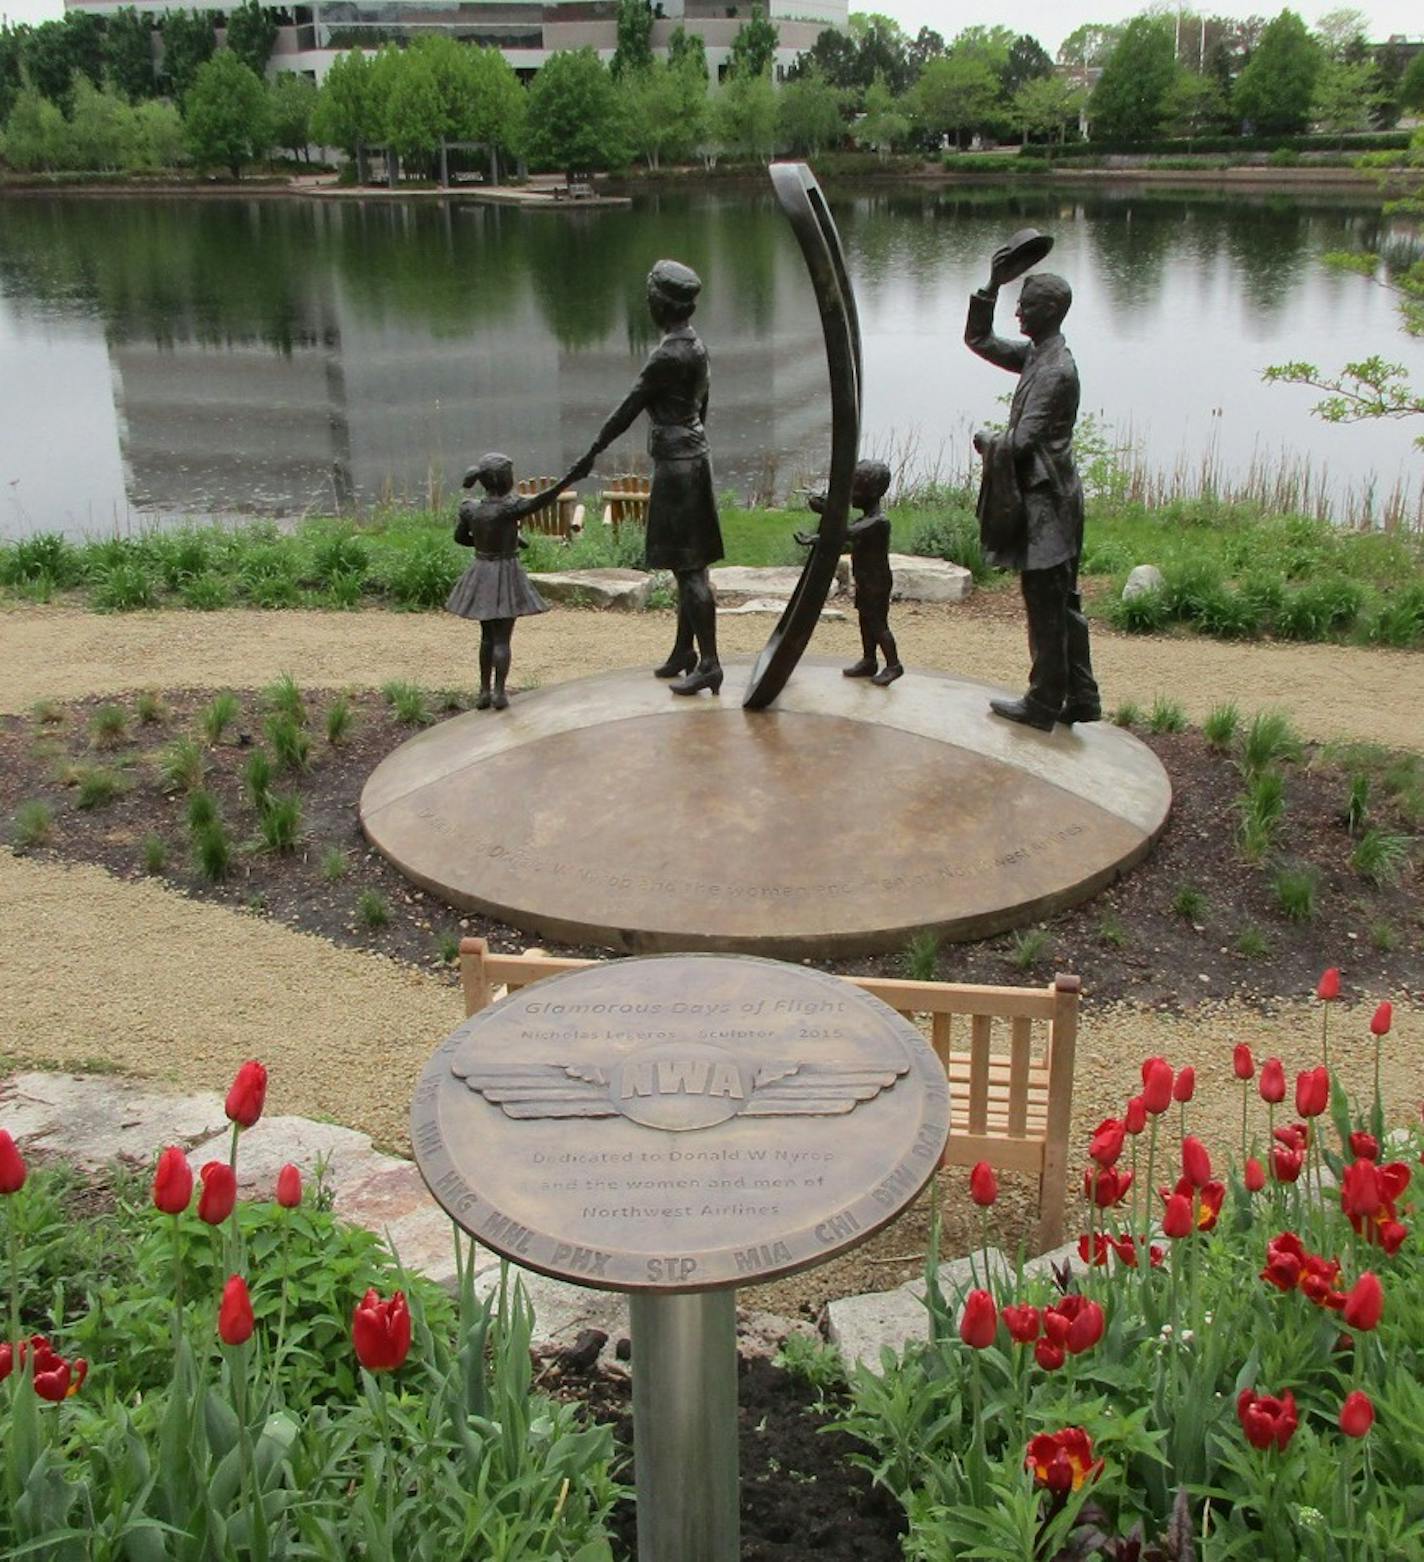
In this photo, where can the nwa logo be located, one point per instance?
(676, 1085)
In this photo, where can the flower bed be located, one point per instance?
(1236, 1373)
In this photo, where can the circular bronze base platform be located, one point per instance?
(607, 811)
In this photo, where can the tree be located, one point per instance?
(955, 95)
(1028, 61)
(495, 112)
(291, 98)
(667, 111)
(128, 54)
(54, 52)
(12, 44)
(743, 117)
(1346, 96)
(1193, 105)
(225, 113)
(809, 116)
(251, 32)
(1342, 33)
(188, 42)
(881, 49)
(928, 45)
(36, 134)
(884, 122)
(1277, 85)
(635, 33)
(417, 112)
(1091, 44)
(345, 113)
(1411, 85)
(158, 135)
(1127, 103)
(102, 132)
(687, 51)
(754, 47)
(1046, 106)
(575, 119)
(834, 55)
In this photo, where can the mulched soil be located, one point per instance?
(1128, 942)
(801, 1498)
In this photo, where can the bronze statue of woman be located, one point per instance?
(683, 532)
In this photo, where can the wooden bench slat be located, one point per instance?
(1007, 1154)
(1020, 1048)
(979, 1032)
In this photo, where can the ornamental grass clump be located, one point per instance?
(187, 1372)
(1231, 1370)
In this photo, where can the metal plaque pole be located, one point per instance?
(685, 1425)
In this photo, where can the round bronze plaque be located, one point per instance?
(680, 1122)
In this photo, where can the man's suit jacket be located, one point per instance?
(1039, 437)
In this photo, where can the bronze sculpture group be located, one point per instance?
(1030, 504)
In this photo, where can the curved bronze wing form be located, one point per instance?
(815, 1091)
(801, 198)
(539, 1089)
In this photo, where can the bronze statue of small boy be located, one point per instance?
(868, 540)
(495, 590)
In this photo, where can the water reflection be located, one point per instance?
(280, 355)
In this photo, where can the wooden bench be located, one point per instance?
(1010, 1106)
(563, 518)
(626, 502)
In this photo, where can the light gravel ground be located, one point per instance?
(62, 653)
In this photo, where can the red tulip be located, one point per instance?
(1394, 1179)
(1286, 1164)
(1062, 1461)
(1295, 1136)
(1364, 1306)
(55, 1379)
(1390, 1234)
(1156, 1086)
(380, 1331)
(1328, 987)
(1242, 1063)
(1101, 1246)
(1254, 1176)
(1048, 1355)
(980, 1320)
(1184, 1085)
(1074, 1323)
(1360, 1195)
(1196, 1163)
(1357, 1414)
(219, 1195)
(173, 1181)
(1106, 1186)
(1134, 1119)
(1363, 1146)
(1273, 1081)
(1126, 1249)
(248, 1094)
(1021, 1320)
(1177, 1217)
(983, 1185)
(1317, 1281)
(1380, 1020)
(1285, 1260)
(1312, 1091)
(12, 1165)
(235, 1321)
(1106, 1143)
(289, 1186)
(1265, 1419)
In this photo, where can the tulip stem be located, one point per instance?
(12, 1239)
(238, 1375)
(1325, 1033)
(177, 1283)
(1244, 1089)
(232, 1149)
(282, 1306)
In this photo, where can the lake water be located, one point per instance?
(186, 356)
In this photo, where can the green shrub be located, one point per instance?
(206, 593)
(1189, 584)
(280, 823)
(180, 557)
(34, 823)
(421, 576)
(342, 593)
(1264, 594)
(267, 575)
(212, 852)
(1379, 857)
(1227, 614)
(1399, 619)
(44, 557)
(339, 720)
(96, 786)
(1295, 889)
(290, 743)
(219, 716)
(340, 556)
(285, 699)
(1143, 614)
(373, 909)
(951, 535)
(1270, 738)
(1190, 903)
(257, 778)
(409, 704)
(150, 709)
(125, 587)
(334, 864)
(1166, 715)
(181, 766)
(108, 726)
(1221, 725)
(202, 810)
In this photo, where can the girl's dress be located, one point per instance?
(495, 585)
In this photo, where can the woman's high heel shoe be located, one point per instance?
(703, 678)
(677, 664)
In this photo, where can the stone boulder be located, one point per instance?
(929, 580)
(741, 580)
(624, 590)
(1144, 578)
(775, 605)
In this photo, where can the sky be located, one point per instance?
(1048, 20)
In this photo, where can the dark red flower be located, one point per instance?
(1209, 1199)
(1286, 1164)
(1273, 1081)
(1312, 1091)
(1285, 1259)
(1360, 1194)
(380, 1331)
(1363, 1146)
(219, 1195)
(12, 1165)
(289, 1186)
(1390, 1234)
(1125, 1247)
(1317, 1281)
(1254, 1175)
(1101, 1246)
(1295, 1136)
(248, 1094)
(1242, 1063)
(983, 1185)
(1062, 1461)
(1380, 1020)
(1134, 1119)
(1048, 1355)
(979, 1321)
(1074, 1322)
(1177, 1217)
(1394, 1179)
(1364, 1306)
(1185, 1084)
(1357, 1414)
(1021, 1320)
(1266, 1420)
(7, 1360)
(1106, 1143)
(1156, 1086)
(1328, 987)
(55, 1379)
(1106, 1186)
(235, 1321)
(1196, 1163)
(173, 1181)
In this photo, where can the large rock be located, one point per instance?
(929, 580)
(1143, 579)
(624, 590)
(776, 605)
(740, 580)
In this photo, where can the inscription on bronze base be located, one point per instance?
(680, 1122)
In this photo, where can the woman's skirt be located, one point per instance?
(495, 588)
(683, 533)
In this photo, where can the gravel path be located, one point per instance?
(63, 653)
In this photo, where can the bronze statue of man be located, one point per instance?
(1031, 498)
(683, 535)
